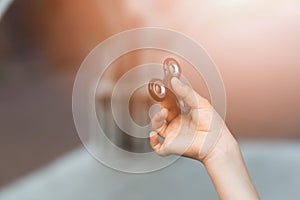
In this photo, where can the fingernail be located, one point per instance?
(152, 133)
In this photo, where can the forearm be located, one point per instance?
(224, 163)
(228, 171)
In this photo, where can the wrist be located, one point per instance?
(227, 170)
(226, 150)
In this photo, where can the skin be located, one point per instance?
(186, 134)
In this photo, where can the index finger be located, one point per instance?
(189, 96)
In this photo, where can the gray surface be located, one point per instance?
(274, 168)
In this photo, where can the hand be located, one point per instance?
(202, 135)
(186, 134)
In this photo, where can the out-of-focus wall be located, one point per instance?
(255, 44)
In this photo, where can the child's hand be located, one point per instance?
(190, 136)
(185, 135)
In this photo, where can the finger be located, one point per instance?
(159, 121)
(155, 144)
(161, 130)
(189, 96)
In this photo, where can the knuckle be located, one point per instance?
(162, 152)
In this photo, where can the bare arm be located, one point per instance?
(185, 135)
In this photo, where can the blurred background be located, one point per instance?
(255, 44)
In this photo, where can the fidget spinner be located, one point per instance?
(162, 92)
